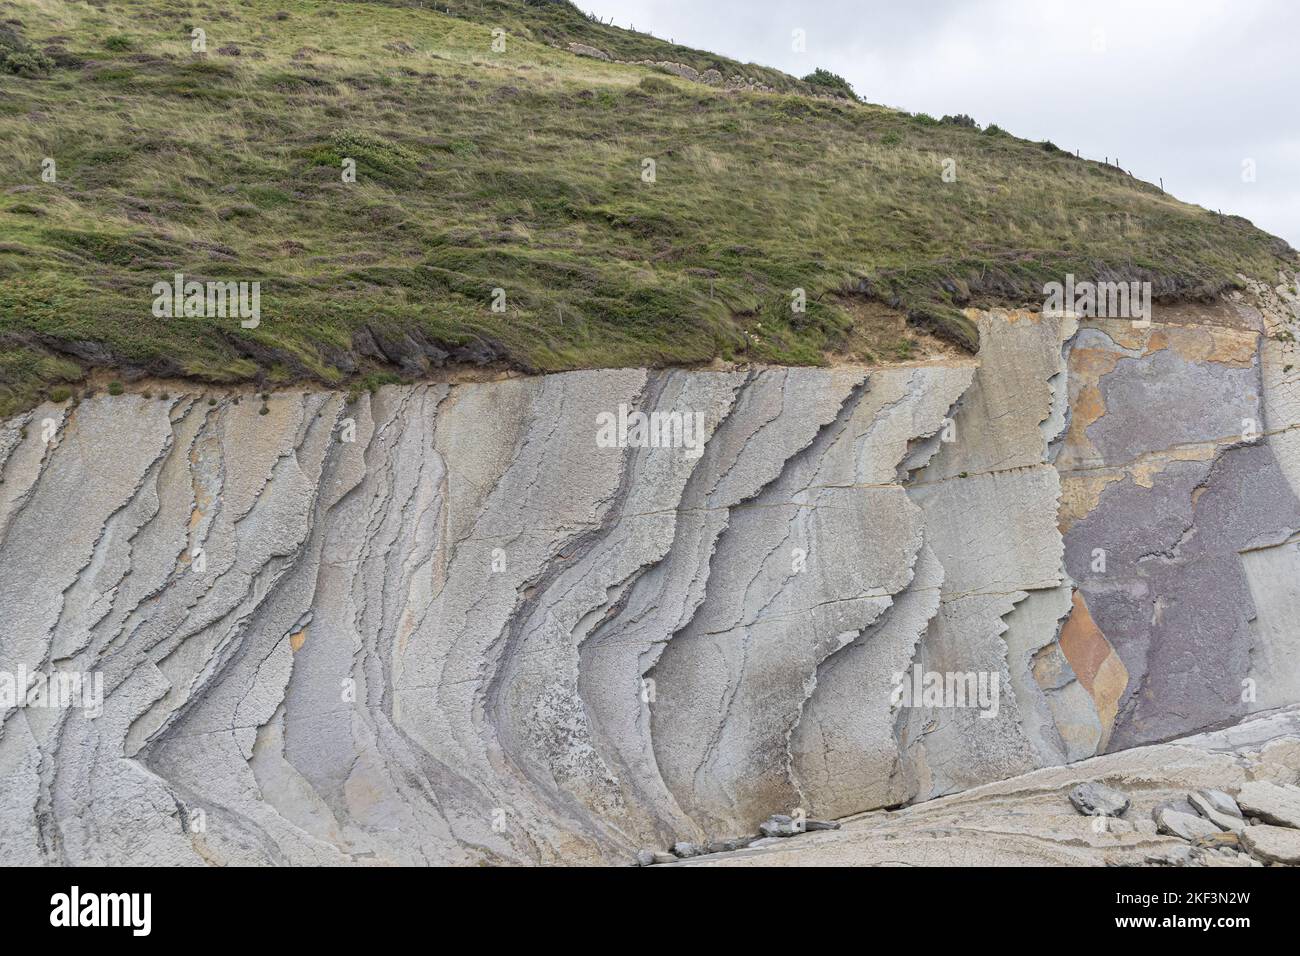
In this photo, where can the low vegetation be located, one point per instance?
(626, 215)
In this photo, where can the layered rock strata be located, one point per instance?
(510, 621)
(1028, 820)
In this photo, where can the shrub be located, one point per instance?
(26, 64)
(17, 57)
(961, 119)
(654, 84)
(60, 394)
(115, 388)
(827, 82)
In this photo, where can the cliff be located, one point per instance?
(472, 622)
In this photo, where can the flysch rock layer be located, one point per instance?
(1180, 515)
(1029, 821)
(453, 624)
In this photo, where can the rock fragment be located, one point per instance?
(779, 825)
(726, 846)
(1271, 802)
(1224, 856)
(1097, 800)
(583, 49)
(1181, 855)
(1206, 808)
(1273, 844)
(1185, 826)
(1221, 802)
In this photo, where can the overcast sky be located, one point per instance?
(1188, 90)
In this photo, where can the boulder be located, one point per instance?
(1271, 802)
(1097, 800)
(582, 49)
(1221, 802)
(1207, 809)
(1186, 826)
(1273, 844)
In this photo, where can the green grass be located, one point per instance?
(519, 170)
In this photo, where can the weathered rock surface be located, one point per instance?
(447, 624)
(1273, 844)
(1271, 802)
(1218, 801)
(1028, 820)
(1098, 800)
(779, 825)
(1186, 826)
(1213, 810)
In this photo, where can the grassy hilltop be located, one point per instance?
(520, 170)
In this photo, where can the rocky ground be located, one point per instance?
(1224, 798)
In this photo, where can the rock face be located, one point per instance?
(510, 622)
(1028, 820)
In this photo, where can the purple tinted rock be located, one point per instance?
(1174, 600)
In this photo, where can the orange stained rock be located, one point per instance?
(1087, 366)
(1079, 496)
(1095, 663)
